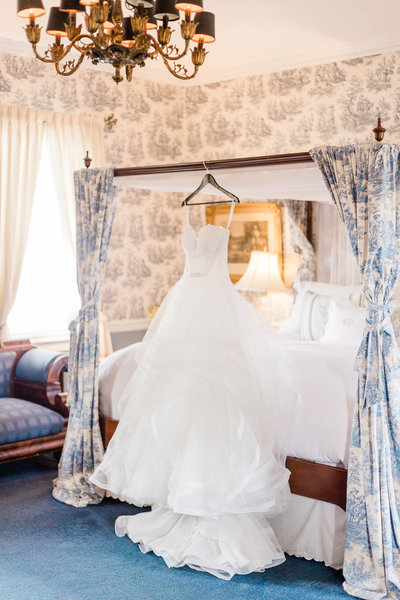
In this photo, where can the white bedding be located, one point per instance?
(324, 376)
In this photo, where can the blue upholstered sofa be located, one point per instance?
(33, 415)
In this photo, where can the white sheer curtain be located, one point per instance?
(21, 135)
(335, 262)
(69, 137)
(24, 135)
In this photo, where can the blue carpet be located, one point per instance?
(51, 551)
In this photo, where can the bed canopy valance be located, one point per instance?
(279, 177)
(364, 184)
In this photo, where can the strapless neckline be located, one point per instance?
(204, 227)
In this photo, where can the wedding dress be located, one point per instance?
(204, 421)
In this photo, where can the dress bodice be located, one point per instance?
(206, 253)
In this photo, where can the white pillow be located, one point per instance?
(345, 324)
(314, 316)
(351, 292)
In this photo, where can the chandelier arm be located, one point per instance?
(83, 50)
(72, 69)
(85, 47)
(42, 58)
(158, 49)
(169, 56)
(175, 73)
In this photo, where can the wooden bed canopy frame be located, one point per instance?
(310, 479)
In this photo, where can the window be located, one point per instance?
(47, 297)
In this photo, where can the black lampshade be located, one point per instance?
(128, 33)
(195, 6)
(72, 6)
(146, 3)
(152, 22)
(57, 21)
(166, 8)
(205, 31)
(30, 8)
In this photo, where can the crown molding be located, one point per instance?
(212, 75)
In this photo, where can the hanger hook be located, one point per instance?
(205, 166)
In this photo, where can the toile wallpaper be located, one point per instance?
(289, 111)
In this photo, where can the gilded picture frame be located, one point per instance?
(255, 226)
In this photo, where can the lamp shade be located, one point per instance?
(30, 8)
(146, 3)
(57, 21)
(71, 6)
(166, 8)
(128, 33)
(205, 31)
(195, 6)
(262, 273)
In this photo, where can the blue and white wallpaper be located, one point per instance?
(290, 111)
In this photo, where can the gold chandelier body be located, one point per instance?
(105, 40)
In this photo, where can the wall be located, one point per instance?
(294, 110)
(144, 257)
(289, 111)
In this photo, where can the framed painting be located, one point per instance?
(255, 226)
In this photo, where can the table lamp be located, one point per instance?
(262, 275)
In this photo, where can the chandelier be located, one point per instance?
(123, 42)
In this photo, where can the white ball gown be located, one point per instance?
(204, 419)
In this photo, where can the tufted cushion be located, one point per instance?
(34, 365)
(23, 420)
(7, 360)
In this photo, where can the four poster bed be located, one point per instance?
(364, 184)
(314, 465)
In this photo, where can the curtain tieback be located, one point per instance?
(378, 315)
(378, 351)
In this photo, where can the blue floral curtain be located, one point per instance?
(364, 182)
(95, 197)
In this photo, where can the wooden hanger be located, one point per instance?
(210, 179)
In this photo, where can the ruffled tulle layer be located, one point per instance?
(223, 546)
(204, 422)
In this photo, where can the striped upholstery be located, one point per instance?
(24, 420)
(7, 360)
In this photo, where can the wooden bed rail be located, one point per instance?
(310, 479)
(317, 481)
(228, 163)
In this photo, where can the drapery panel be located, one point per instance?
(95, 197)
(295, 242)
(364, 182)
(21, 137)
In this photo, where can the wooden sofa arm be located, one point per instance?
(38, 378)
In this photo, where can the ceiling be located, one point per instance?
(265, 35)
